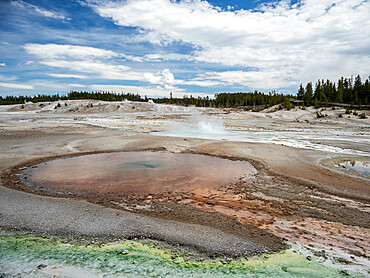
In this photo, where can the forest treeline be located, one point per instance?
(345, 91)
(73, 95)
(222, 100)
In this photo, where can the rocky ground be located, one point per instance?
(293, 195)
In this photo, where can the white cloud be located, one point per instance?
(8, 78)
(295, 43)
(82, 59)
(16, 86)
(77, 86)
(263, 80)
(62, 51)
(201, 81)
(165, 78)
(102, 69)
(132, 58)
(41, 11)
(94, 61)
(151, 36)
(167, 57)
(62, 75)
(2, 65)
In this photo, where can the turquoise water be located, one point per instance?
(30, 256)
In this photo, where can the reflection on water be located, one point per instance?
(142, 165)
(134, 173)
(357, 166)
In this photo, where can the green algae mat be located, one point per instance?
(32, 256)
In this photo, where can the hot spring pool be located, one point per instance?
(134, 173)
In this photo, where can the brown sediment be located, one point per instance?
(287, 207)
(291, 196)
(274, 216)
(294, 167)
(168, 209)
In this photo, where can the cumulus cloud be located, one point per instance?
(2, 65)
(293, 43)
(16, 86)
(38, 10)
(165, 78)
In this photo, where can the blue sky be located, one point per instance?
(154, 47)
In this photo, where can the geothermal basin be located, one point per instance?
(138, 173)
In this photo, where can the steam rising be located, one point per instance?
(199, 125)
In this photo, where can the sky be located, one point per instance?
(187, 47)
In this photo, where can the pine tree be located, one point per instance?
(316, 103)
(300, 93)
(308, 94)
(340, 91)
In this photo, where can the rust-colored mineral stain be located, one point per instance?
(135, 173)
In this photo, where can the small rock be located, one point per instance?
(40, 266)
(345, 272)
(223, 261)
(343, 260)
(124, 252)
(173, 257)
(309, 258)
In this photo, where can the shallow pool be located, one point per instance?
(135, 173)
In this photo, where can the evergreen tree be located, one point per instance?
(308, 94)
(339, 97)
(318, 90)
(316, 103)
(300, 93)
